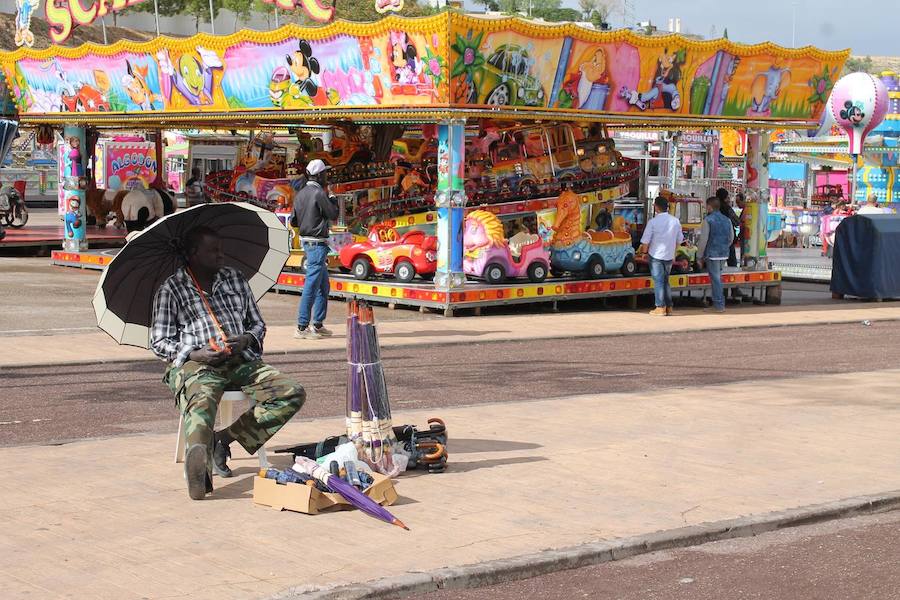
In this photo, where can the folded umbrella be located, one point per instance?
(347, 491)
(254, 241)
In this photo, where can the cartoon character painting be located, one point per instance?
(278, 86)
(137, 88)
(588, 88)
(303, 90)
(766, 89)
(664, 85)
(73, 159)
(405, 63)
(24, 10)
(191, 74)
(853, 112)
(73, 216)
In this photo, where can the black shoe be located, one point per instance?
(221, 454)
(195, 472)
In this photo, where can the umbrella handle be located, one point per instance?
(215, 345)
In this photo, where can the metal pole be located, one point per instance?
(793, 25)
(212, 17)
(156, 15)
(276, 18)
(103, 27)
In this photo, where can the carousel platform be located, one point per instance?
(763, 286)
(800, 264)
(52, 235)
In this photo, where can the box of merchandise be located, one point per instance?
(307, 499)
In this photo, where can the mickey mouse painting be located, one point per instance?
(852, 113)
(304, 90)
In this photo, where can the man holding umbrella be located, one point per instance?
(206, 324)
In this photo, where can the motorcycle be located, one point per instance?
(12, 207)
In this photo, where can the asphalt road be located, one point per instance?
(850, 558)
(59, 403)
(52, 300)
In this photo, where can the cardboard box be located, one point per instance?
(303, 498)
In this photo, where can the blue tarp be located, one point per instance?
(866, 255)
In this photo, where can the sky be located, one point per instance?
(868, 27)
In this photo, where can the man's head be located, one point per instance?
(195, 173)
(712, 204)
(722, 195)
(872, 200)
(740, 200)
(203, 249)
(661, 205)
(316, 170)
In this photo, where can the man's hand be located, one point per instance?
(699, 263)
(239, 343)
(208, 356)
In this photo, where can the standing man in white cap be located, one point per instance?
(313, 210)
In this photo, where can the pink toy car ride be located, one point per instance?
(490, 256)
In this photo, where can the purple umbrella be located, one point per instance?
(347, 491)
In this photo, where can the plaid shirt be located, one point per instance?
(181, 323)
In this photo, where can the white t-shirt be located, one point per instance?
(870, 210)
(663, 234)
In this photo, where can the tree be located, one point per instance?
(493, 5)
(597, 11)
(856, 63)
(556, 15)
(242, 10)
(167, 8)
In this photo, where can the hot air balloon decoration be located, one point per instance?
(858, 104)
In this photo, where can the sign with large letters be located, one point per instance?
(64, 15)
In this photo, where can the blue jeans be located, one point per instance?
(315, 288)
(714, 267)
(659, 271)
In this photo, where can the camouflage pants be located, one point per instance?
(199, 387)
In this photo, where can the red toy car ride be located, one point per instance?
(406, 256)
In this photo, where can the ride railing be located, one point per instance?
(218, 184)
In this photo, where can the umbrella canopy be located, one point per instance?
(255, 242)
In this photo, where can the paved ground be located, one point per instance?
(852, 558)
(56, 403)
(111, 518)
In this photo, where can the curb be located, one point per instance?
(151, 358)
(549, 561)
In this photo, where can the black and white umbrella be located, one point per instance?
(254, 240)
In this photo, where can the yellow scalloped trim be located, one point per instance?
(433, 24)
(460, 21)
(444, 23)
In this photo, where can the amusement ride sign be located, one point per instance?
(63, 15)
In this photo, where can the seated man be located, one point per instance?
(182, 334)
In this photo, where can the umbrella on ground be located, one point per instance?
(349, 493)
(254, 240)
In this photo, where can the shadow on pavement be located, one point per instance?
(468, 446)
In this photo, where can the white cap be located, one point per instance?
(316, 166)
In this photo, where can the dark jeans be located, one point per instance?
(659, 271)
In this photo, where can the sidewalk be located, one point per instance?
(99, 347)
(111, 518)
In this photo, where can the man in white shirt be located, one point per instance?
(871, 207)
(661, 236)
